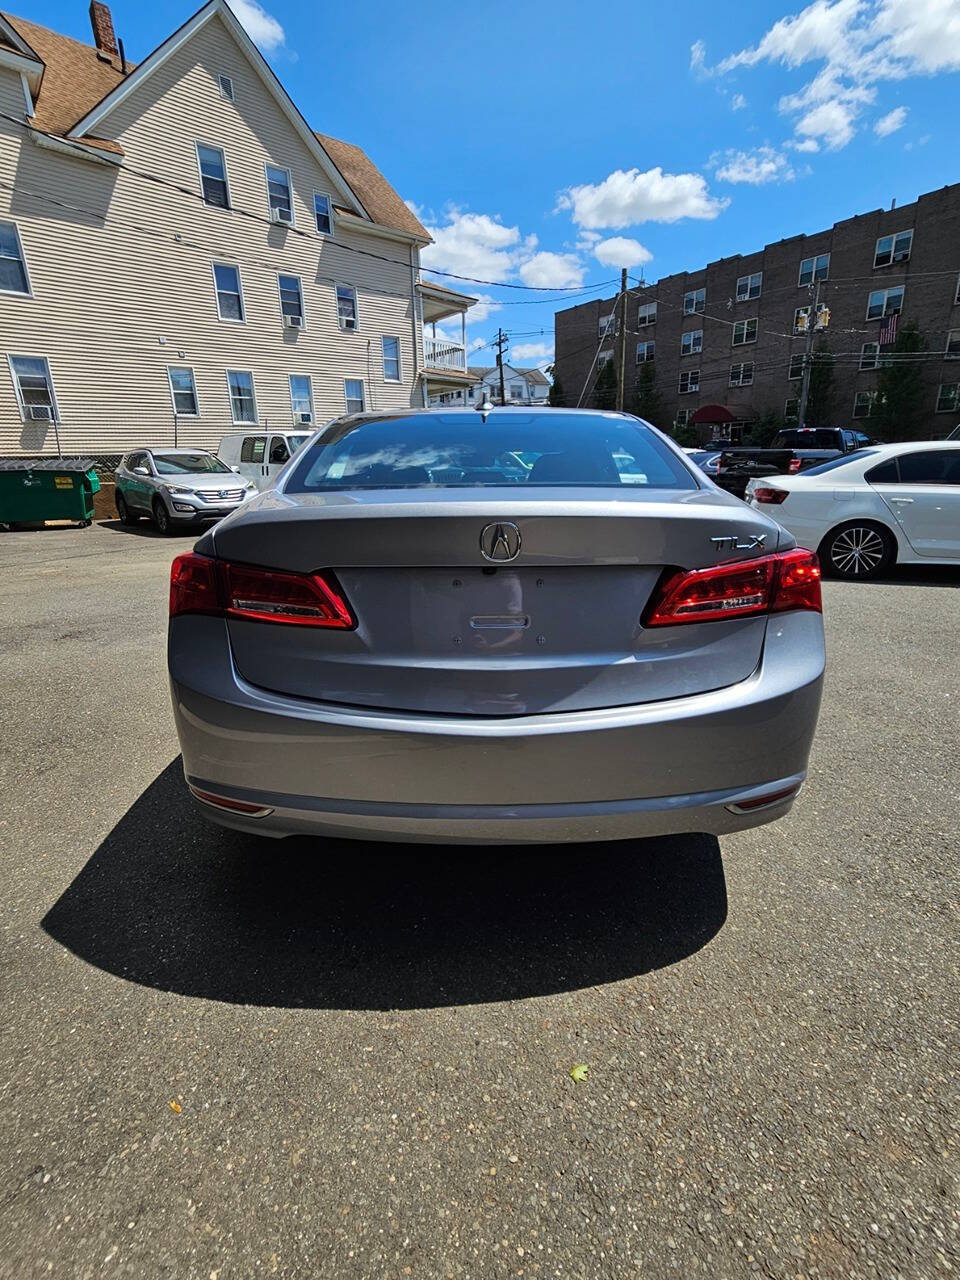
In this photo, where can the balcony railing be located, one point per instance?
(438, 354)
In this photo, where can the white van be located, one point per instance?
(260, 455)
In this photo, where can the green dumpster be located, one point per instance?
(33, 490)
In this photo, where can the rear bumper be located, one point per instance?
(653, 769)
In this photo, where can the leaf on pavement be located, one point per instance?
(579, 1072)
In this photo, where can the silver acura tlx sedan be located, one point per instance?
(495, 627)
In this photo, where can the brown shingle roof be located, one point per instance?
(373, 190)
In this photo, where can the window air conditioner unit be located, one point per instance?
(40, 412)
(293, 322)
(305, 417)
(283, 215)
(349, 323)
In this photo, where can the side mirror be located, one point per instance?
(140, 471)
(236, 469)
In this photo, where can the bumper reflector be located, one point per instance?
(228, 804)
(763, 802)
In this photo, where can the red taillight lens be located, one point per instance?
(200, 584)
(764, 494)
(793, 466)
(769, 584)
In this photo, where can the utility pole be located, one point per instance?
(808, 357)
(623, 338)
(500, 343)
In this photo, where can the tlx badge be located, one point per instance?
(731, 542)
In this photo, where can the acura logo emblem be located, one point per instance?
(500, 541)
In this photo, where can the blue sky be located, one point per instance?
(549, 144)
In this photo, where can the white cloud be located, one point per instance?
(473, 244)
(738, 102)
(763, 164)
(626, 197)
(831, 123)
(483, 308)
(891, 122)
(539, 351)
(805, 144)
(262, 27)
(622, 251)
(552, 271)
(698, 56)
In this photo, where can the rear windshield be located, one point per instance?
(857, 456)
(180, 464)
(447, 452)
(808, 438)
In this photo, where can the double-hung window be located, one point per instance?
(691, 342)
(694, 301)
(647, 314)
(884, 302)
(689, 381)
(301, 397)
(347, 307)
(229, 291)
(814, 269)
(354, 395)
(183, 389)
(608, 325)
(895, 248)
(863, 403)
(953, 345)
(791, 409)
(870, 355)
(243, 403)
(279, 194)
(291, 301)
(323, 213)
(741, 375)
(948, 397)
(801, 317)
(13, 267)
(213, 176)
(34, 387)
(744, 331)
(682, 417)
(796, 367)
(749, 287)
(390, 348)
(646, 351)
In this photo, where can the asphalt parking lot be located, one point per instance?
(223, 1058)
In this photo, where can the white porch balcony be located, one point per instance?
(440, 353)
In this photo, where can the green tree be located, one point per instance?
(898, 410)
(646, 401)
(764, 429)
(556, 396)
(820, 393)
(605, 387)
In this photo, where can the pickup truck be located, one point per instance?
(791, 451)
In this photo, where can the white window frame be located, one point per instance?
(608, 326)
(212, 146)
(646, 315)
(871, 398)
(347, 398)
(221, 262)
(747, 295)
(647, 355)
(303, 304)
(329, 199)
(813, 270)
(956, 296)
(18, 293)
(948, 408)
(865, 356)
(688, 390)
(795, 416)
(232, 95)
(795, 356)
(604, 358)
(173, 398)
(740, 382)
(698, 303)
(953, 340)
(682, 418)
(896, 288)
(267, 166)
(356, 307)
(245, 422)
(383, 358)
(692, 350)
(904, 257)
(23, 355)
(745, 341)
(293, 410)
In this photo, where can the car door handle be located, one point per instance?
(902, 502)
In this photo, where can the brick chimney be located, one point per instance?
(102, 24)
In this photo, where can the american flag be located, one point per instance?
(888, 330)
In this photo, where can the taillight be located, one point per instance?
(769, 584)
(793, 466)
(200, 584)
(763, 493)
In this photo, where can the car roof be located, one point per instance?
(184, 448)
(887, 450)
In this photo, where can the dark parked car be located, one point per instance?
(793, 450)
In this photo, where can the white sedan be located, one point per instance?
(863, 512)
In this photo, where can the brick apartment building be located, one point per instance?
(727, 341)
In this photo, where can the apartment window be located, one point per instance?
(226, 88)
(604, 358)
(279, 194)
(814, 269)
(213, 176)
(682, 417)
(953, 345)
(884, 302)
(647, 314)
(694, 301)
(243, 403)
(689, 381)
(607, 326)
(323, 213)
(870, 355)
(391, 358)
(13, 267)
(691, 342)
(229, 291)
(796, 367)
(801, 317)
(863, 403)
(645, 351)
(347, 306)
(183, 389)
(895, 248)
(791, 409)
(956, 296)
(744, 331)
(301, 397)
(34, 388)
(291, 301)
(749, 286)
(948, 397)
(353, 391)
(741, 375)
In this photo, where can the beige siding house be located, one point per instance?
(180, 254)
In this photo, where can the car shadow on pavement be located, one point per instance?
(147, 529)
(172, 902)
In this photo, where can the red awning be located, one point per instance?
(713, 413)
